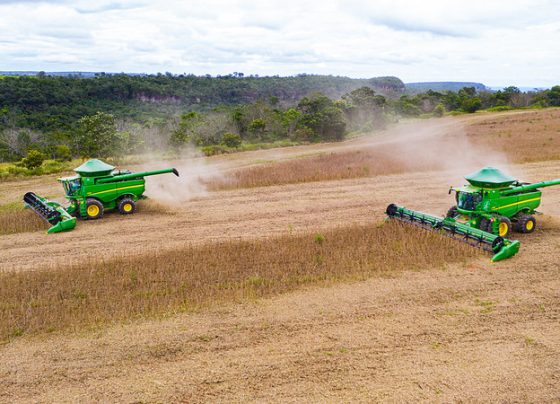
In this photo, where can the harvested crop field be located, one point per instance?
(284, 245)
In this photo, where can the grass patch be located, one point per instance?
(12, 170)
(103, 291)
(487, 306)
(213, 150)
(530, 341)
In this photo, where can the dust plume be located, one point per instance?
(193, 173)
(440, 145)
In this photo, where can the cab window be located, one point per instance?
(74, 186)
(468, 200)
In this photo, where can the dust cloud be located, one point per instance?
(442, 146)
(171, 190)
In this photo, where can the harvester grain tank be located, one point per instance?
(96, 187)
(487, 209)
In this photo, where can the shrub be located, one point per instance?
(33, 160)
(499, 108)
(439, 110)
(304, 134)
(213, 150)
(232, 140)
(17, 170)
(319, 239)
(52, 166)
(63, 153)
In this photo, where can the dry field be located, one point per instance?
(281, 282)
(97, 293)
(525, 137)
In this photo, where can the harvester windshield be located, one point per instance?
(71, 185)
(468, 200)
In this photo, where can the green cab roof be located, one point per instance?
(489, 177)
(94, 167)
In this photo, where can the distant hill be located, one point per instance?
(51, 101)
(188, 89)
(287, 87)
(84, 75)
(523, 88)
(442, 86)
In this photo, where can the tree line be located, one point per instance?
(61, 117)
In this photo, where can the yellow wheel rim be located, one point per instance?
(503, 229)
(127, 207)
(93, 210)
(530, 225)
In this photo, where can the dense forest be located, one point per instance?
(112, 115)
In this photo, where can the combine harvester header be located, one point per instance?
(487, 210)
(96, 187)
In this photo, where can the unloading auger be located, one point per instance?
(487, 209)
(96, 187)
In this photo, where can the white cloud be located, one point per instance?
(494, 42)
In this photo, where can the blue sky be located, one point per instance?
(498, 43)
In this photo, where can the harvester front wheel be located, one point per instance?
(127, 206)
(526, 224)
(94, 209)
(485, 225)
(452, 212)
(504, 226)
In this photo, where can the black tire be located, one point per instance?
(485, 225)
(127, 206)
(502, 222)
(452, 212)
(94, 209)
(525, 223)
(391, 210)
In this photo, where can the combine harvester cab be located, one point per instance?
(487, 210)
(96, 187)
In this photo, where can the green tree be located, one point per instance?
(290, 120)
(553, 96)
(97, 136)
(320, 114)
(257, 127)
(364, 108)
(471, 104)
(187, 129)
(408, 106)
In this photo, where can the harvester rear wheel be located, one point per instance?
(94, 209)
(504, 226)
(452, 212)
(127, 206)
(525, 224)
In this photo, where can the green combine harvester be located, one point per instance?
(97, 187)
(487, 210)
